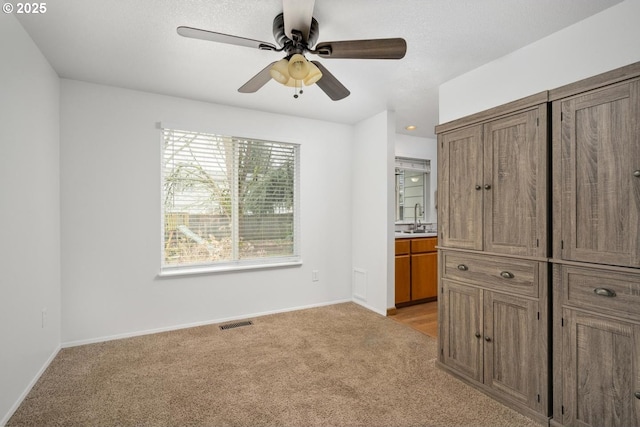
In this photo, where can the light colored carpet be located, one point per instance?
(340, 365)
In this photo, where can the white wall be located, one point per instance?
(372, 181)
(600, 43)
(422, 148)
(29, 214)
(110, 192)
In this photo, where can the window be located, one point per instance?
(228, 202)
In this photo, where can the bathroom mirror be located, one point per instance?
(412, 187)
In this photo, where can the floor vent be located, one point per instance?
(236, 325)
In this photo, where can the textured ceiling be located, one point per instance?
(134, 44)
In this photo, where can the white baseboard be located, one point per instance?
(195, 324)
(33, 382)
(24, 394)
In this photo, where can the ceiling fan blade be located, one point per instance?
(330, 85)
(363, 49)
(196, 33)
(297, 16)
(257, 81)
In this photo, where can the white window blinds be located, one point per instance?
(228, 201)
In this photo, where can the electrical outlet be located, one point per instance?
(44, 317)
(314, 276)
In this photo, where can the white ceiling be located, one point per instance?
(134, 44)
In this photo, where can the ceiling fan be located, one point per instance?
(296, 32)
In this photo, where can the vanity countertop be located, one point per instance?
(403, 235)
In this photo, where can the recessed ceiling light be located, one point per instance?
(410, 127)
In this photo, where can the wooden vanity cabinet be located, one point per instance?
(403, 271)
(424, 268)
(416, 276)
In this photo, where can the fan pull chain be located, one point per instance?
(295, 89)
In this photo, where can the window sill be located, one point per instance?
(228, 268)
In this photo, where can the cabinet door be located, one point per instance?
(515, 183)
(460, 187)
(462, 328)
(601, 360)
(511, 355)
(600, 143)
(424, 275)
(403, 278)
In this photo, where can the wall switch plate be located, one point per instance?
(314, 276)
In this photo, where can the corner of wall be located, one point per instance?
(30, 115)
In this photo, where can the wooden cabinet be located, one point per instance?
(492, 219)
(601, 371)
(495, 339)
(493, 198)
(460, 180)
(403, 271)
(513, 358)
(597, 159)
(416, 276)
(510, 275)
(460, 311)
(424, 275)
(424, 268)
(596, 256)
(597, 346)
(497, 171)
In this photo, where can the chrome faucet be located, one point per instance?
(416, 222)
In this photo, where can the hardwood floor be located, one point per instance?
(422, 317)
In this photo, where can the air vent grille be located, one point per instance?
(236, 325)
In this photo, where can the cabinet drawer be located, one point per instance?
(424, 245)
(511, 275)
(601, 290)
(403, 246)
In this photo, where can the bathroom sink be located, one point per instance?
(433, 233)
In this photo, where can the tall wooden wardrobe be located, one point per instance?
(493, 253)
(596, 250)
(539, 256)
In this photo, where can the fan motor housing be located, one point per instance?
(283, 40)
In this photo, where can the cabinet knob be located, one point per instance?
(636, 173)
(604, 292)
(462, 267)
(478, 187)
(506, 275)
(478, 336)
(637, 394)
(487, 187)
(487, 339)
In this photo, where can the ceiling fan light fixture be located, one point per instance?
(293, 83)
(295, 37)
(314, 74)
(280, 71)
(298, 67)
